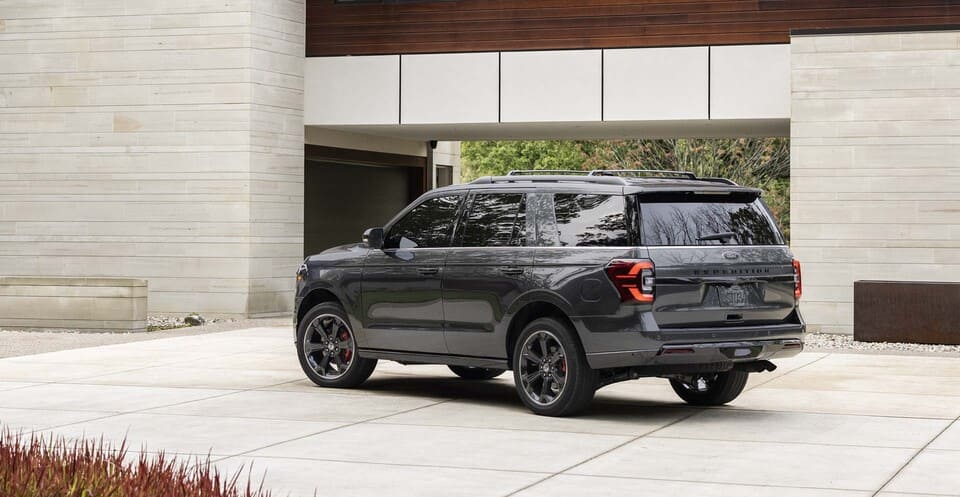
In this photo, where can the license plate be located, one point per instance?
(733, 296)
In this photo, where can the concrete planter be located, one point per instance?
(82, 304)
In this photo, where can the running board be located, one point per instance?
(425, 358)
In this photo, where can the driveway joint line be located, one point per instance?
(347, 425)
(603, 453)
(726, 483)
(914, 456)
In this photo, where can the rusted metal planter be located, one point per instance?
(906, 311)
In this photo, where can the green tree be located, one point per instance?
(758, 162)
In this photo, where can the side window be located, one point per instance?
(587, 220)
(427, 225)
(495, 220)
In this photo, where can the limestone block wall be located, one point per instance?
(155, 140)
(875, 164)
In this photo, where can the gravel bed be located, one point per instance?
(845, 343)
(18, 343)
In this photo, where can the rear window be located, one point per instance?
(687, 219)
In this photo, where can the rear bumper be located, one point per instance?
(708, 350)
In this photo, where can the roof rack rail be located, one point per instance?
(582, 178)
(525, 172)
(636, 172)
(719, 180)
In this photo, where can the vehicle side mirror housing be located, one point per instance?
(373, 238)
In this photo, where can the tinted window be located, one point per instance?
(427, 225)
(590, 220)
(690, 220)
(495, 220)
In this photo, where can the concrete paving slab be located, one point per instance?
(42, 372)
(28, 420)
(579, 486)
(605, 418)
(101, 397)
(881, 383)
(949, 439)
(931, 472)
(766, 398)
(449, 447)
(793, 427)
(221, 435)
(307, 478)
(751, 463)
(10, 385)
(318, 405)
(179, 376)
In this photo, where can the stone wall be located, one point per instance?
(875, 164)
(155, 140)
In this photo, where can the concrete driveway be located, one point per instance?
(823, 424)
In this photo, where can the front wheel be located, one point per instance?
(550, 369)
(328, 349)
(472, 373)
(710, 389)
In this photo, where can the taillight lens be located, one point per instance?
(797, 280)
(634, 279)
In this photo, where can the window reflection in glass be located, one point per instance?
(495, 220)
(682, 222)
(427, 225)
(591, 220)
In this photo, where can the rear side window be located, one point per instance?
(429, 224)
(587, 220)
(495, 220)
(690, 220)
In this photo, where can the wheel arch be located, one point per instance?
(530, 312)
(315, 297)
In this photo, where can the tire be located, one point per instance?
(471, 373)
(711, 389)
(324, 321)
(579, 381)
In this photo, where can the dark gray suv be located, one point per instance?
(573, 282)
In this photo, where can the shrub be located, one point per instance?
(37, 466)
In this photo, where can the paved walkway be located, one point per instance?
(823, 424)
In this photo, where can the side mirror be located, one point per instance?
(373, 238)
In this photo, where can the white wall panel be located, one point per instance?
(449, 88)
(641, 84)
(352, 90)
(550, 86)
(750, 82)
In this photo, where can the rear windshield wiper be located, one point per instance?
(723, 236)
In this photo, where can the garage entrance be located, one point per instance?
(347, 191)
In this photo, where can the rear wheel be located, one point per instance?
(328, 350)
(472, 373)
(550, 369)
(710, 389)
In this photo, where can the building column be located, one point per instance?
(875, 164)
(164, 145)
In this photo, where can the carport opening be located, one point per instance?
(347, 191)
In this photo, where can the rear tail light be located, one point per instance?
(634, 279)
(797, 280)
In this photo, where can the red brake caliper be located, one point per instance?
(347, 353)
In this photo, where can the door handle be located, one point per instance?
(428, 271)
(511, 270)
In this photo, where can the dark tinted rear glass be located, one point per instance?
(591, 220)
(705, 220)
(494, 220)
(427, 225)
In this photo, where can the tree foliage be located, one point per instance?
(758, 162)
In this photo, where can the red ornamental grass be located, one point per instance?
(38, 466)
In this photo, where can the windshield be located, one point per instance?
(691, 220)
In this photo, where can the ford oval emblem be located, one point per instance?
(731, 255)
